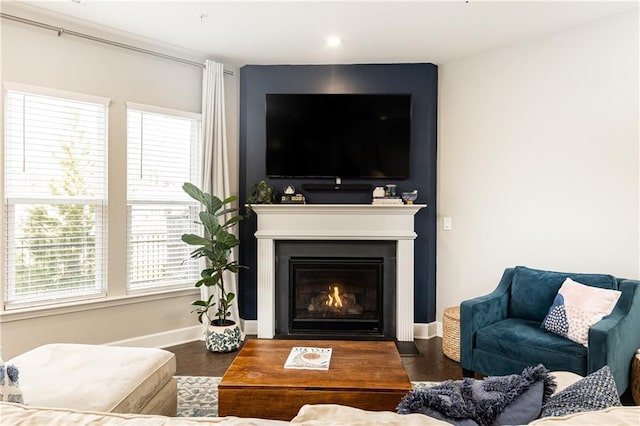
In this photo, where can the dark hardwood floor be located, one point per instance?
(193, 359)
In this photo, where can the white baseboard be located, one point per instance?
(249, 326)
(164, 339)
(425, 330)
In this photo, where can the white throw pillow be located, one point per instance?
(576, 308)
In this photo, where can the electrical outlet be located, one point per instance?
(447, 223)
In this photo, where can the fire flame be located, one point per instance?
(334, 300)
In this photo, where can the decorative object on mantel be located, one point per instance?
(391, 190)
(378, 192)
(293, 199)
(410, 197)
(393, 201)
(290, 196)
(262, 193)
(382, 196)
(223, 334)
(388, 195)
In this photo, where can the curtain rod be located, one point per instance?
(61, 30)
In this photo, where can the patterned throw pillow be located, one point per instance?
(595, 392)
(9, 390)
(576, 308)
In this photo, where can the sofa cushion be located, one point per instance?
(576, 308)
(525, 341)
(334, 415)
(595, 392)
(26, 415)
(93, 377)
(625, 415)
(533, 290)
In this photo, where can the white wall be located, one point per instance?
(538, 159)
(39, 57)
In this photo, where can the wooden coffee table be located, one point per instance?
(367, 375)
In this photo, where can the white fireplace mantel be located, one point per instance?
(336, 222)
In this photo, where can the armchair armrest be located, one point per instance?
(481, 311)
(614, 339)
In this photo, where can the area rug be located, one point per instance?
(198, 395)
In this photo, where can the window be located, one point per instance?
(163, 152)
(55, 195)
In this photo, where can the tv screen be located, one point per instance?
(338, 135)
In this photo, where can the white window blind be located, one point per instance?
(55, 195)
(163, 152)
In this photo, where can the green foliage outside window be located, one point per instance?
(58, 249)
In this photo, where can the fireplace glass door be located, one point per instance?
(336, 294)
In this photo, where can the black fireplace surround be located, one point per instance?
(335, 289)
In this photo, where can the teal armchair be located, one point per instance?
(500, 332)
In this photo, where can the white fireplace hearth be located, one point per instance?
(331, 222)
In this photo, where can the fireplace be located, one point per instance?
(335, 289)
(349, 223)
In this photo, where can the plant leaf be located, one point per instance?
(217, 258)
(232, 221)
(210, 222)
(194, 192)
(212, 203)
(226, 240)
(195, 240)
(230, 199)
(225, 211)
(206, 273)
(197, 253)
(209, 281)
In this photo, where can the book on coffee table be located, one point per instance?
(308, 358)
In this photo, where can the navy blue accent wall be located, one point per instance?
(420, 80)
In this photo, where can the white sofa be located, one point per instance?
(311, 415)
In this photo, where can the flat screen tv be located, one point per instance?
(338, 135)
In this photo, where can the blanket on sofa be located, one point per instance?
(513, 399)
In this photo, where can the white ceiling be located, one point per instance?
(294, 32)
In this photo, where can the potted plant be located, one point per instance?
(262, 193)
(223, 334)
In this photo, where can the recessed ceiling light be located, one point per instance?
(334, 41)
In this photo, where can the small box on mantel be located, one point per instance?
(387, 201)
(293, 199)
